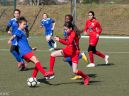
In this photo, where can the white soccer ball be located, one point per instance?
(31, 82)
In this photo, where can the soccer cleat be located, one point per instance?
(86, 80)
(84, 57)
(106, 59)
(76, 77)
(24, 67)
(55, 45)
(49, 75)
(34, 48)
(91, 65)
(37, 81)
(51, 49)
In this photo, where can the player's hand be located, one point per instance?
(9, 32)
(56, 38)
(97, 36)
(9, 42)
(84, 33)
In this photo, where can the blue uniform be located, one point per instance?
(47, 24)
(22, 41)
(13, 23)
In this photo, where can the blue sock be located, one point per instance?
(50, 44)
(52, 41)
(17, 56)
(70, 63)
(80, 56)
(67, 59)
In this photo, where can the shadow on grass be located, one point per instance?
(92, 75)
(43, 80)
(110, 64)
(31, 68)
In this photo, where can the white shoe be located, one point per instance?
(91, 65)
(51, 49)
(106, 59)
(37, 81)
(55, 45)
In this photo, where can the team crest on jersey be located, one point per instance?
(93, 24)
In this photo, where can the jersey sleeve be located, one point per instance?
(52, 20)
(18, 33)
(41, 23)
(69, 40)
(99, 29)
(9, 24)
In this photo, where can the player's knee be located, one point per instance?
(92, 48)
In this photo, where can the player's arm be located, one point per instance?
(99, 28)
(68, 41)
(10, 40)
(27, 32)
(8, 27)
(53, 24)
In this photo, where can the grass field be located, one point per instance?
(106, 80)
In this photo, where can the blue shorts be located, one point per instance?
(49, 33)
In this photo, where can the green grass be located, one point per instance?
(110, 80)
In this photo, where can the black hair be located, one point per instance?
(19, 20)
(17, 10)
(68, 24)
(70, 17)
(92, 12)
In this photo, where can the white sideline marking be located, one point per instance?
(110, 37)
(82, 51)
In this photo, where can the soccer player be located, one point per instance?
(93, 29)
(69, 18)
(24, 48)
(71, 50)
(14, 48)
(48, 24)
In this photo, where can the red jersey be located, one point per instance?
(71, 41)
(92, 27)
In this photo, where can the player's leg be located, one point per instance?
(52, 59)
(91, 50)
(52, 41)
(80, 73)
(105, 57)
(38, 66)
(15, 53)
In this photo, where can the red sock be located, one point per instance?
(35, 71)
(100, 54)
(52, 61)
(79, 72)
(90, 53)
(40, 68)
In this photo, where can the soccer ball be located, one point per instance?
(32, 82)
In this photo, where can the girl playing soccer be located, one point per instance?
(93, 29)
(71, 50)
(24, 48)
(48, 24)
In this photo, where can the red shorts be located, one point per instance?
(74, 57)
(27, 56)
(72, 54)
(93, 40)
(67, 52)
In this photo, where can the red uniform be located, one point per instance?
(72, 46)
(93, 28)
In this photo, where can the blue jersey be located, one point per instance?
(47, 24)
(14, 25)
(22, 41)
